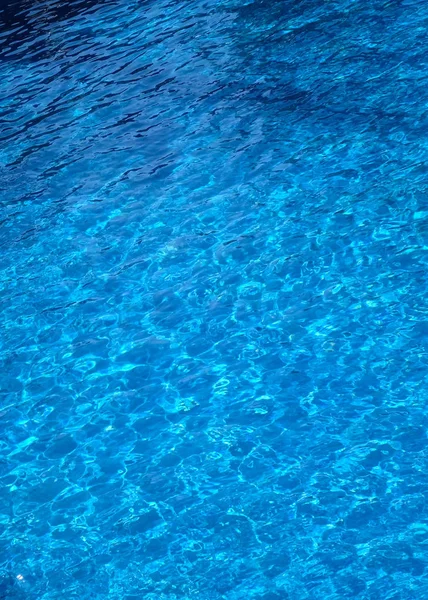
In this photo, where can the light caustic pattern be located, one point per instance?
(213, 273)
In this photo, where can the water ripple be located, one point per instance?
(212, 277)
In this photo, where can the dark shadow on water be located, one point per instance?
(24, 21)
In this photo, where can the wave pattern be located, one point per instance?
(213, 268)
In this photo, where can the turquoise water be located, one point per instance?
(213, 270)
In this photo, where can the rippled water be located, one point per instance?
(213, 270)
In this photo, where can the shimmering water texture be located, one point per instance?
(213, 272)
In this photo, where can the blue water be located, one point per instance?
(213, 274)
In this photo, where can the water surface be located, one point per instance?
(213, 271)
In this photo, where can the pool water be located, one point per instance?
(213, 274)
